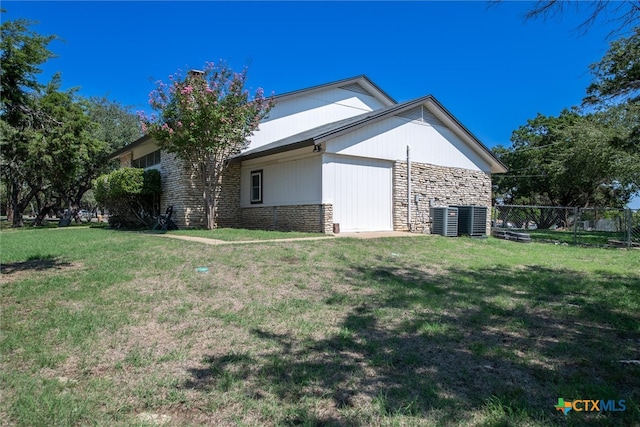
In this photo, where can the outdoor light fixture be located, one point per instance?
(317, 148)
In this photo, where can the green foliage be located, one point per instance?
(205, 118)
(53, 143)
(22, 52)
(131, 195)
(382, 333)
(617, 74)
(117, 127)
(570, 160)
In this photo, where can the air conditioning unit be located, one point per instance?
(472, 220)
(444, 221)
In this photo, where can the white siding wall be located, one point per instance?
(285, 181)
(388, 139)
(297, 114)
(360, 192)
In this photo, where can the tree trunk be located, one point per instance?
(9, 208)
(18, 205)
(16, 211)
(209, 208)
(208, 199)
(39, 221)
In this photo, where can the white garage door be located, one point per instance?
(361, 194)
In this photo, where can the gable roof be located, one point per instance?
(362, 80)
(319, 134)
(365, 83)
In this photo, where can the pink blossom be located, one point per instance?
(187, 90)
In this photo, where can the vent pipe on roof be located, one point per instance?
(196, 73)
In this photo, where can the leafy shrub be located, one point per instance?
(131, 196)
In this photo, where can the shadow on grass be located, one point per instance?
(505, 342)
(34, 263)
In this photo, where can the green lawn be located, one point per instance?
(109, 328)
(237, 234)
(582, 237)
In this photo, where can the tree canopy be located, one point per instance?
(570, 160)
(204, 118)
(617, 74)
(52, 142)
(588, 155)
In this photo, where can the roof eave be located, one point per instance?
(276, 150)
(130, 147)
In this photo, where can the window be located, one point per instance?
(147, 161)
(256, 186)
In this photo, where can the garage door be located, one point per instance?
(361, 193)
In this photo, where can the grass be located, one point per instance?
(101, 327)
(583, 237)
(239, 234)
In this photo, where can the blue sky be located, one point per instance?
(488, 66)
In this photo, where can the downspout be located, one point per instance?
(409, 187)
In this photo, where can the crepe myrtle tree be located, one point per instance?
(204, 118)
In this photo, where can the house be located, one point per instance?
(334, 157)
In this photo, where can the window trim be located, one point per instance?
(257, 173)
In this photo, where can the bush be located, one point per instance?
(131, 195)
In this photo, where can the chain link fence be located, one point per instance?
(570, 225)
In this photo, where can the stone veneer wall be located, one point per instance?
(446, 186)
(126, 160)
(229, 212)
(181, 189)
(308, 218)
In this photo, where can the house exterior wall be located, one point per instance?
(388, 139)
(180, 189)
(292, 178)
(126, 160)
(313, 218)
(297, 114)
(360, 191)
(291, 194)
(444, 185)
(229, 212)
(144, 149)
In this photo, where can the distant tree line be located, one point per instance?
(589, 155)
(53, 142)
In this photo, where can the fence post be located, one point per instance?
(629, 227)
(575, 226)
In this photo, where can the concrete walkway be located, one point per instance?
(362, 235)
